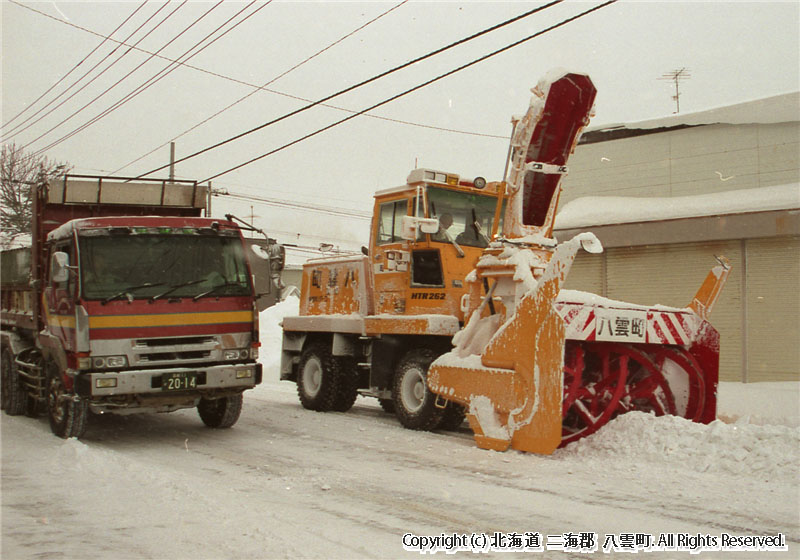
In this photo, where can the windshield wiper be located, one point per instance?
(217, 287)
(176, 287)
(126, 291)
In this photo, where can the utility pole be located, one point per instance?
(172, 162)
(676, 76)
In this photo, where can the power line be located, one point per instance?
(115, 84)
(168, 69)
(251, 85)
(103, 71)
(420, 86)
(65, 76)
(330, 210)
(358, 85)
(263, 87)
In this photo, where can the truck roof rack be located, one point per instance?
(127, 191)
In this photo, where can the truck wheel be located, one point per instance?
(453, 417)
(220, 413)
(318, 378)
(13, 392)
(347, 384)
(387, 405)
(67, 413)
(414, 403)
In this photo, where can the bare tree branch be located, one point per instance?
(19, 172)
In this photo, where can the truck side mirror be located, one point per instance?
(59, 267)
(412, 224)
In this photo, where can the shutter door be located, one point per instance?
(773, 309)
(586, 273)
(671, 275)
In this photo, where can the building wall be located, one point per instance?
(758, 313)
(688, 161)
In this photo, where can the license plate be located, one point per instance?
(182, 381)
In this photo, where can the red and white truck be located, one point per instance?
(128, 300)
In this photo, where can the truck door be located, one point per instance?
(390, 261)
(59, 293)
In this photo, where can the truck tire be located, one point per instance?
(318, 378)
(220, 413)
(13, 392)
(387, 405)
(453, 417)
(415, 405)
(347, 384)
(67, 412)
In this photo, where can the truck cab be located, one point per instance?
(426, 236)
(371, 324)
(136, 303)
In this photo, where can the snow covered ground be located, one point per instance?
(287, 482)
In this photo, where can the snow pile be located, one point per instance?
(769, 453)
(776, 402)
(271, 334)
(601, 210)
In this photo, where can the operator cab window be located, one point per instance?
(464, 217)
(390, 221)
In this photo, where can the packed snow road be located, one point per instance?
(287, 482)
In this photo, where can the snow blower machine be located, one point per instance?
(456, 308)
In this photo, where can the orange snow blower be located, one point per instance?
(534, 366)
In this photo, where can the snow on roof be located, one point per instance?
(769, 110)
(600, 210)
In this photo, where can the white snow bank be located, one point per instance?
(762, 403)
(601, 210)
(769, 453)
(271, 335)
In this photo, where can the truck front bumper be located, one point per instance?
(155, 381)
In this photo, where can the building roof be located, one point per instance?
(601, 210)
(769, 110)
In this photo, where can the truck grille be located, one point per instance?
(153, 351)
(183, 341)
(167, 356)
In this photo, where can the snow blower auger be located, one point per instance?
(537, 368)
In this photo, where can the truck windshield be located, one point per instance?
(464, 217)
(150, 266)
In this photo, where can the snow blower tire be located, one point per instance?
(415, 405)
(318, 378)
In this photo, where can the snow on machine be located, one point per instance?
(456, 309)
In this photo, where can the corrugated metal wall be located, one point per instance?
(773, 309)
(757, 315)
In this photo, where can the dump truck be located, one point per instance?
(129, 300)
(456, 308)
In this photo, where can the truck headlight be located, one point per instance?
(237, 354)
(105, 382)
(104, 362)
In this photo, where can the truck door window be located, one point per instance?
(390, 221)
(67, 285)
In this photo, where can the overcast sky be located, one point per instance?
(734, 52)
